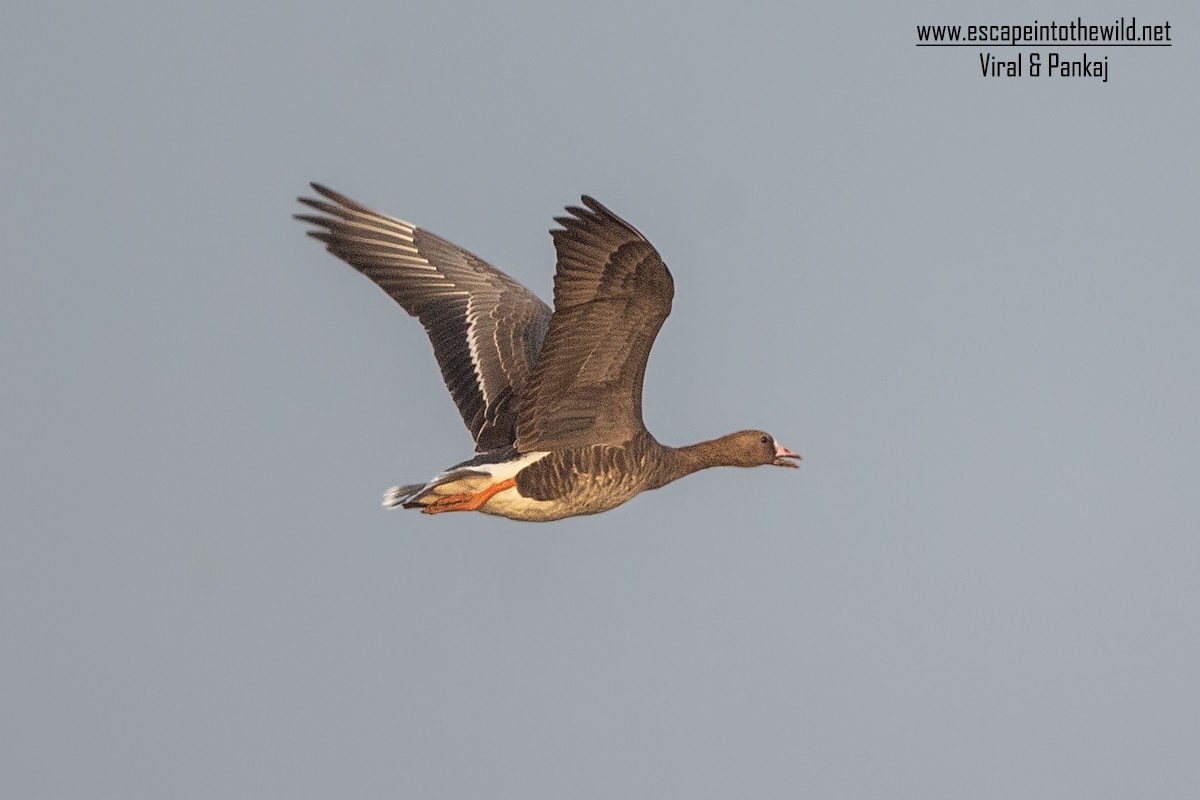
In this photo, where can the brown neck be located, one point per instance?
(686, 460)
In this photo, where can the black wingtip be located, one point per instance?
(593, 213)
(591, 208)
(319, 189)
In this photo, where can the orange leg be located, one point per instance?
(467, 502)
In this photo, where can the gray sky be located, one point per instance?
(971, 303)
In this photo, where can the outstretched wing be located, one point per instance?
(612, 293)
(486, 329)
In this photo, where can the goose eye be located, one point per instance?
(765, 439)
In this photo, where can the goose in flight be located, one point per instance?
(553, 399)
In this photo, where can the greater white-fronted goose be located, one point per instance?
(554, 400)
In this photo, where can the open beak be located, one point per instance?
(782, 454)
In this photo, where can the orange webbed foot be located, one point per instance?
(467, 502)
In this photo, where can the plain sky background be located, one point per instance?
(971, 303)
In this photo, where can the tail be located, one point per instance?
(399, 495)
(419, 495)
